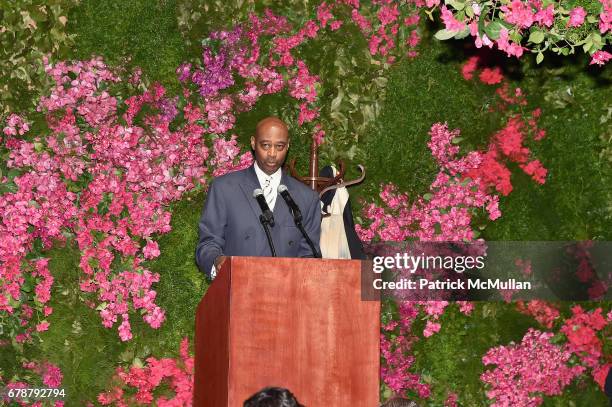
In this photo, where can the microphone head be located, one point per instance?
(257, 192)
(281, 188)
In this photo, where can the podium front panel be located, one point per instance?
(301, 324)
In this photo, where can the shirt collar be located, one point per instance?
(261, 176)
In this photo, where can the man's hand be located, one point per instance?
(219, 262)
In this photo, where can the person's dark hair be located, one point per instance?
(272, 397)
(399, 402)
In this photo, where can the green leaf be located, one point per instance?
(102, 306)
(596, 38)
(126, 355)
(8, 187)
(482, 20)
(539, 58)
(536, 37)
(492, 30)
(335, 104)
(445, 34)
(463, 33)
(469, 12)
(457, 5)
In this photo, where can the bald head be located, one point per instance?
(270, 144)
(265, 124)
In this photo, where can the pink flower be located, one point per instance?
(600, 373)
(451, 23)
(310, 29)
(139, 385)
(52, 375)
(43, 326)
(605, 17)
(511, 48)
(431, 328)
(519, 13)
(318, 135)
(387, 15)
(451, 400)
(467, 70)
(536, 170)
(546, 16)
(151, 250)
(576, 17)
(532, 367)
(362, 22)
(491, 76)
(306, 115)
(336, 24)
(125, 331)
(600, 58)
(466, 307)
(324, 14)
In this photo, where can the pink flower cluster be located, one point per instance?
(435, 309)
(239, 54)
(543, 312)
(605, 18)
(445, 214)
(15, 125)
(581, 332)
(526, 371)
(177, 374)
(47, 375)
(508, 143)
(50, 373)
(510, 22)
(600, 58)
(225, 153)
(40, 208)
(127, 170)
(396, 341)
(463, 186)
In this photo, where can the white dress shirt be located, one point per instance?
(269, 184)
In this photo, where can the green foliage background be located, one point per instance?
(378, 116)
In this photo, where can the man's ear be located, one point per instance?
(253, 142)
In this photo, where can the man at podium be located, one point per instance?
(231, 223)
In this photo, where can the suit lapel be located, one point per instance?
(249, 184)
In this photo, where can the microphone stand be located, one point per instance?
(297, 218)
(265, 222)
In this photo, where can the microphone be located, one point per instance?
(284, 192)
(297, 218)
(263, 205)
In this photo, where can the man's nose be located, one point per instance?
(272, 152)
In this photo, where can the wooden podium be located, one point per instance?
(294, 323)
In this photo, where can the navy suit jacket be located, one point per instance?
(229, 224)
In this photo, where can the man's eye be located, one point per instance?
(265, 146)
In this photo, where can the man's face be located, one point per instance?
(270, 146)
